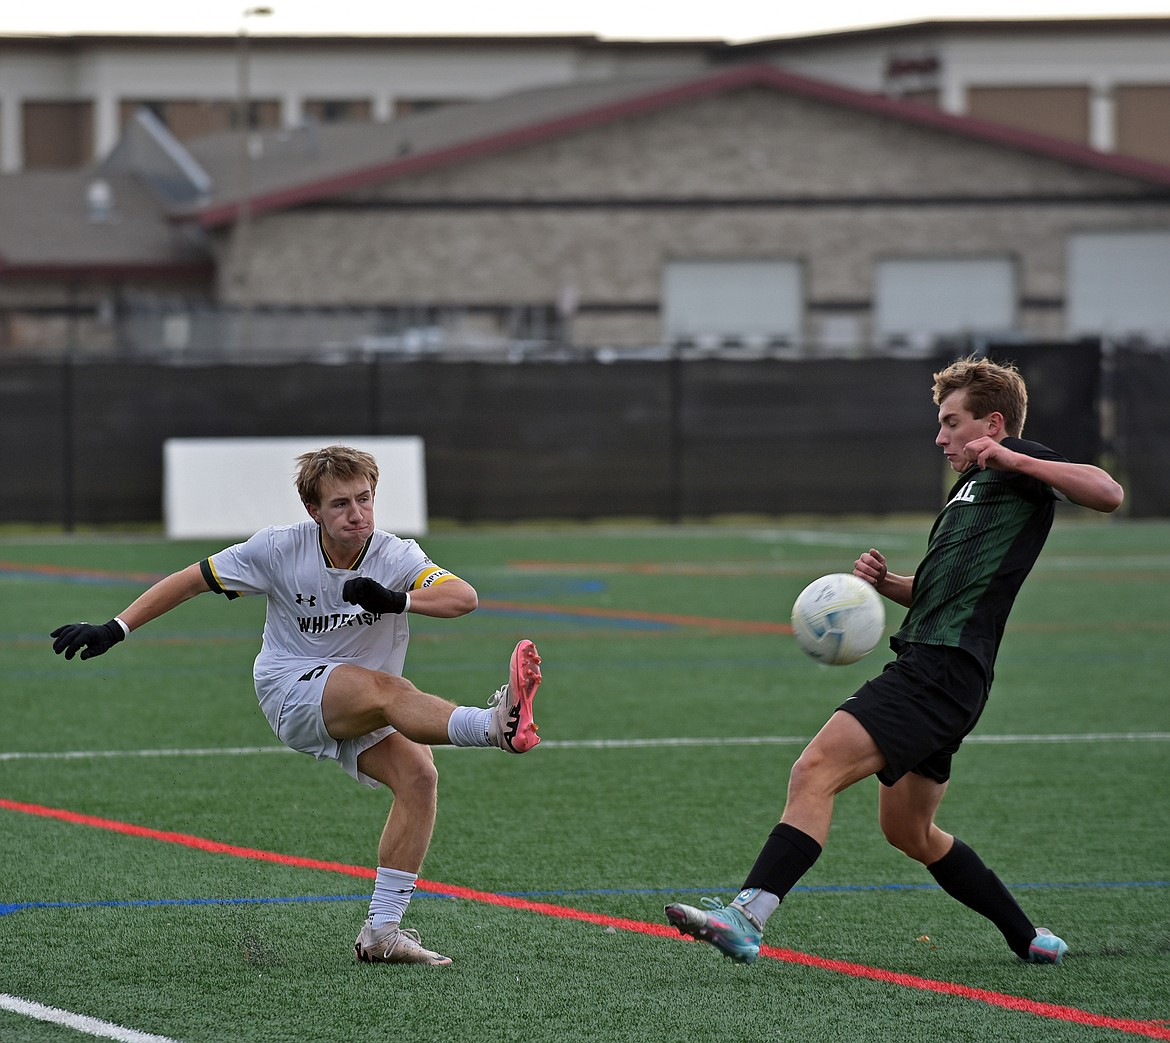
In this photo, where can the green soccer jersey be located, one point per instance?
(981, 548)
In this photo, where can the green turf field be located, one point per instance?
(672, 707)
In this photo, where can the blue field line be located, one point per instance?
(827, 888)
(7, 908)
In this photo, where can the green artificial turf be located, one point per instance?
(669, 731)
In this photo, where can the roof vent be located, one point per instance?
(99, 202)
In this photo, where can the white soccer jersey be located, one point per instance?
(307, 619)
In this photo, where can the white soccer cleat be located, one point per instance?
(513, 728)
(394, 944)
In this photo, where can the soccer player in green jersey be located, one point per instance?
(905, 725)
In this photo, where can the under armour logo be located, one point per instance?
(311, 600)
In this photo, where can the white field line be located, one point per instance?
(80, 1022)
(595, 744)
(798, 740)
(72, 755)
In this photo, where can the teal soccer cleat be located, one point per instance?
(1046, 947)
(730, 930)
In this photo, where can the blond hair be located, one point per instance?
(991, 387)
(334, 463)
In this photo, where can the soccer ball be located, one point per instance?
(838, 618)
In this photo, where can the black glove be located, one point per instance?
(372, 596)
(93, 638)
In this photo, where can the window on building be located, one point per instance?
(337, 110)
(263, 114)
(58, 135)
(413, 106)
(1143, 121)
(185, 118)
(918, 301)
(1117, 283)
(1055, 112)
(192, 118)
(712, 302)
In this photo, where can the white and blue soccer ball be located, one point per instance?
(838, 618)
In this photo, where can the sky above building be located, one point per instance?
(731, 20)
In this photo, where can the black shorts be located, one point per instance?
(920, 708)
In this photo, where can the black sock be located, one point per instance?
(786, 856)
(962, 874)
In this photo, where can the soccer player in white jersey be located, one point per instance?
(329, 673)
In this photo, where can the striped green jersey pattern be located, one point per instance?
(981, 548)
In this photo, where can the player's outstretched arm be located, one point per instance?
(91, 639)
(871, 567)
(1083, 484)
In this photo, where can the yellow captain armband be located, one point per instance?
(432, 577)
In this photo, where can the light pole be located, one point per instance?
(244, 206)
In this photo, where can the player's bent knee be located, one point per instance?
(912, 843)
(391, 689)
(423, 775)
(810, 772)
(357, 700)
(417, 781)
(394, 685)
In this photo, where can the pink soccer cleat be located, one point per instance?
(513, 728)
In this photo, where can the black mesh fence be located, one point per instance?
(1141, 394)
(660, 439)
(1064, 395)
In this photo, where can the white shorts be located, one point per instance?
(291, 701)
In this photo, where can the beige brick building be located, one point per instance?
(746, 206)
(595, 201)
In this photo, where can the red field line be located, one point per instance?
(1057, 1012)
(66, 571)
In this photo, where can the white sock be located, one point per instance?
(757, 903)
(469, 726)
(392, 891)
